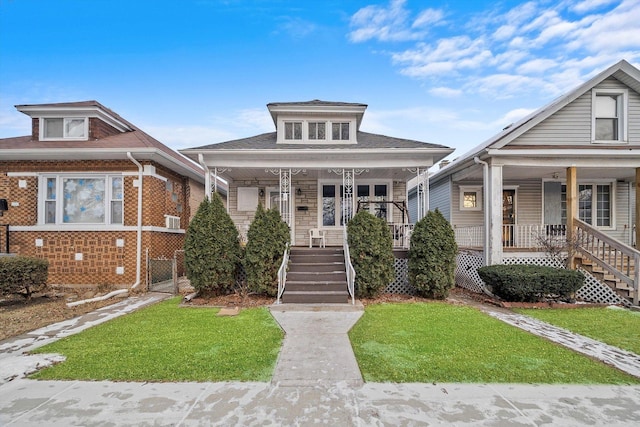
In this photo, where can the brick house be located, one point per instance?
(94, 194)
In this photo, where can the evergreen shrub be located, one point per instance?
(267, 239)
(531, 283)
(432, 256)
(23, 275)
(371, 250)
(212, 248)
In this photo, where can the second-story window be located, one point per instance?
(64, 128)
(340, 131)
(317, 130)
(293, 130)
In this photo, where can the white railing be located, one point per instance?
(401, 234)
(351, 272)
(525, 236)
(282, 273)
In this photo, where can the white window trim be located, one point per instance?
(305, 130)
(623, 103)
(470, 189)
(594, 207)
(337, 184)
(41, 122)
(42, 193)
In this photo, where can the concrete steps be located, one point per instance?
(316, 275)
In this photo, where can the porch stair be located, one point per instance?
(316, 276)
(621, 288)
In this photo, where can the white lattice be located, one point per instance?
(466, 275)
(541, 261)
(400, 284)
(596, 291)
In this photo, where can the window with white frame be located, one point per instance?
(90, 199)
(293, 130)
(340, 131)
(317, 130)
(609, 116)
(595, 204)
(332, 201)
(470, 198)
(64, 128)
(373, 193)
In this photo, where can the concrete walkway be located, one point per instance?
(316, 382)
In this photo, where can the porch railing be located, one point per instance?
(282, 273)
(620, 260)
(525, 236)
(401, 234)
(351, 272)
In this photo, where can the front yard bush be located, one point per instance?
(267, 237)
(531, 283)
(23, 275)
(432, 256)
(371, 250)
(212, 248)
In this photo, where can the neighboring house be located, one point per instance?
(318, 169)
(569, 170)
(94, 195)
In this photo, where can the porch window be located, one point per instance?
(329, 205)
(317, 130)
(595, 203)
(63, 128)
(379, 192)
(609, 115)
(470, 198)
(83, 200)
(293, 130)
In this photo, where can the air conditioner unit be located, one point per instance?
(172, 222)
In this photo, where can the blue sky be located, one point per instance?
(196, 72)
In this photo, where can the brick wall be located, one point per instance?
(99, 129)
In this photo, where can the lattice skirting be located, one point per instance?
(593, 290)
(400, 284)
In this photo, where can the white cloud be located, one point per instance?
(536, 66)
(179, 137)
(589, 5)
(445, 92)
(428, 17)
(296, 27)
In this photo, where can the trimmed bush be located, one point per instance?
(531, 283)
(371, 250)
(432, 256)
(23, 275)
(267, 238)
(212, 248)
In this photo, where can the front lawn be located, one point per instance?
(165, 342)
(439, 342)
(617, 327)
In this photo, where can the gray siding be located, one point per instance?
(528, 201)
(440, 197)
(572, 124)
(464, 218)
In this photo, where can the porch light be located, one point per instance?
(261, 193)
(299, 192)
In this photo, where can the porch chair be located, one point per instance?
(316, 233)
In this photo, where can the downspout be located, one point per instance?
(139, 227)
(485, 205)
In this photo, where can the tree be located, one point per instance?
(267, 237)
(212, 248)
(432, 256)
(371, 250)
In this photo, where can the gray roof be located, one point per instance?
(267, 141)
(315, 102)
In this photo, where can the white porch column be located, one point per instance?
(423, 192)
(285, 196)
(347, 195)
(207, 177)
(494, 250)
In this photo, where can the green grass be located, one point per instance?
(617, 327)
(165, 342)
(439, 342)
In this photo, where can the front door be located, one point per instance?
(508, 217)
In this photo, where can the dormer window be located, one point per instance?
(340, 131)
(317, 130)
(293, 130)
(609, 116)
(56, 128)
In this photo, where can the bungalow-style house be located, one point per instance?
(94, 195)
(568, 172)
(318, 169)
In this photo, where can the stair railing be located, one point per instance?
(282, 273)
(620, 260)
(351, 272)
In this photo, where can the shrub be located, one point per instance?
(267, 237)
(530, 283)
(23, 275)
(371, 250)
(432, 256)
(212, 248)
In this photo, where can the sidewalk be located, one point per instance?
(316, 381)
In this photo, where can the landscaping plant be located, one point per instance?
(212, 248)
(432, 256)
(23, 275)
(267, 237)
(371, 250)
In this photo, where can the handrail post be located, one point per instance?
(636, 279)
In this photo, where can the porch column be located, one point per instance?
(423, 193)
(637, 216)
(347, 195)
(494, 250)
(285, 196)
(572, 211)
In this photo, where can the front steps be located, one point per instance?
(316, 276)
(621, 288)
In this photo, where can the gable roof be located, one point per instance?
(622, 71)
(131, 139)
